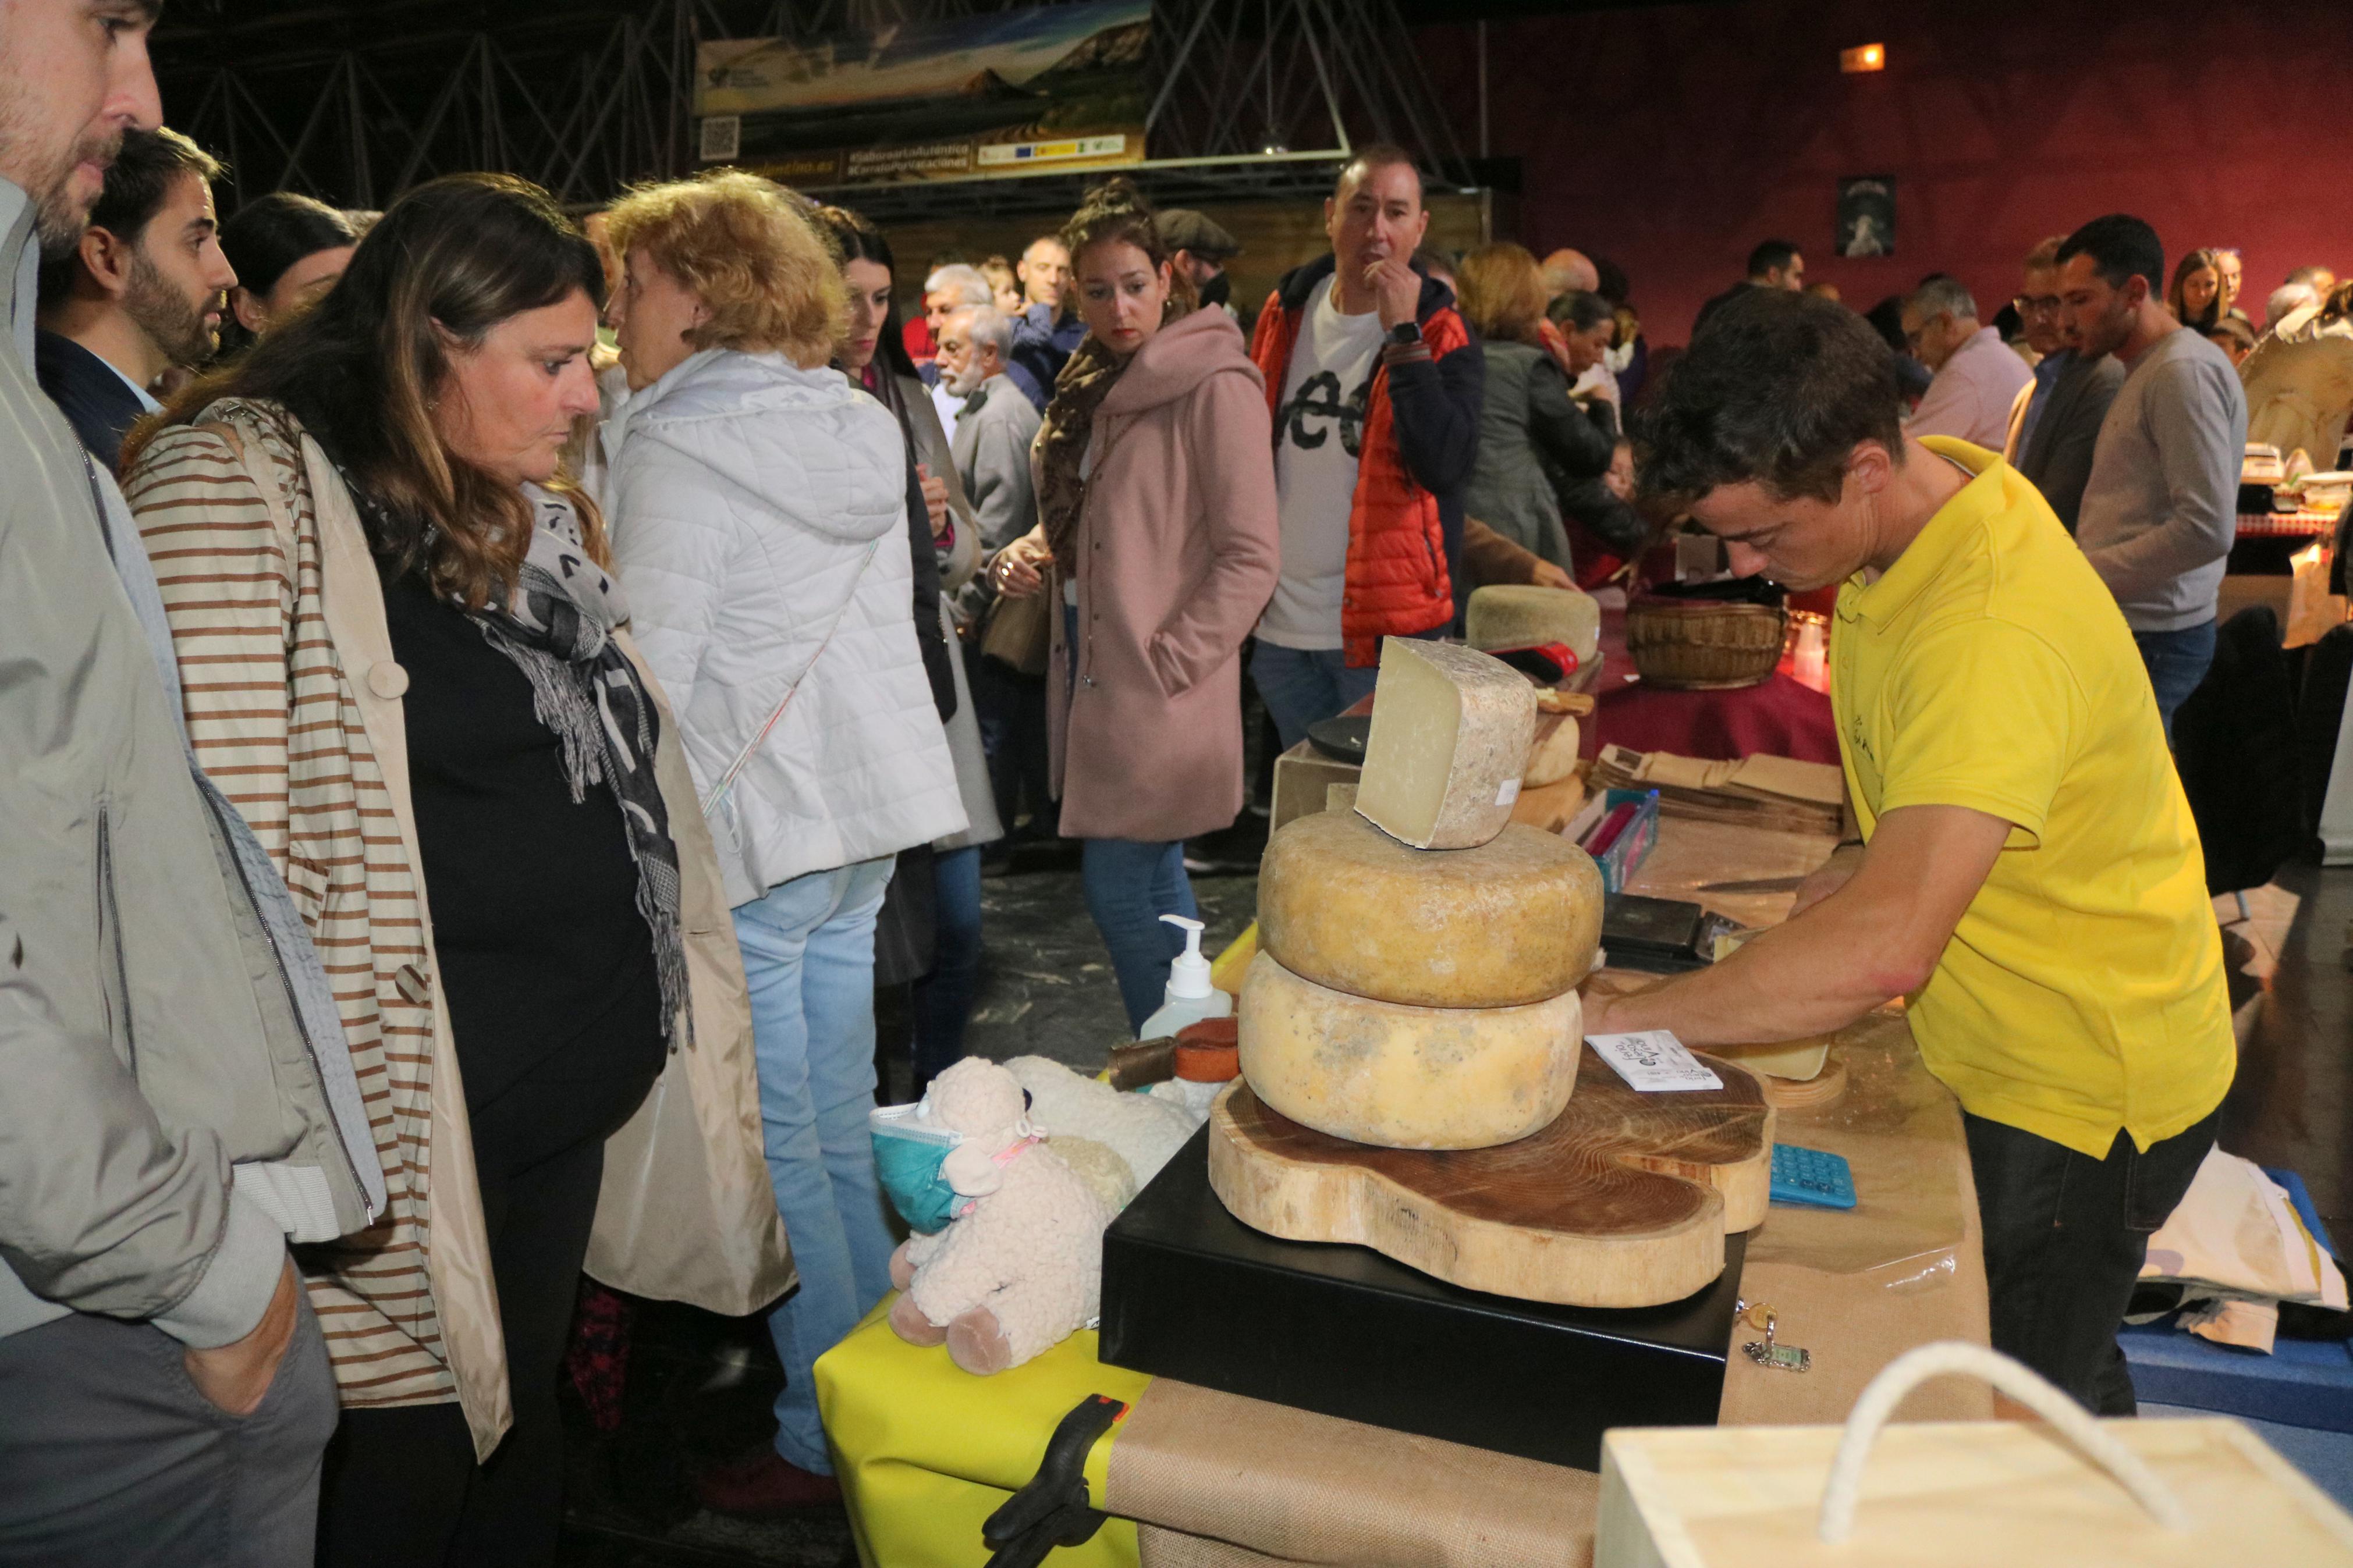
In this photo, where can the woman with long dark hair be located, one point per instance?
(2195, 296)
(288, 250)
(1156, 504)
(401, 657)
(873, 354)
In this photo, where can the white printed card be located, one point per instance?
(1653, 1060)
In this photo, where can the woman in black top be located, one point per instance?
(439, 381)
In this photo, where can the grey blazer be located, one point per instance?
(2058, 460)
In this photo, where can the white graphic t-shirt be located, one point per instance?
(1319, 428)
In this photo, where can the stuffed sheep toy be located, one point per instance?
(1143, 1131)
(1018, 1266)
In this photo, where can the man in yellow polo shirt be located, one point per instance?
(2029, 878)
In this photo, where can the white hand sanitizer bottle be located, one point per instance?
(1190, 997)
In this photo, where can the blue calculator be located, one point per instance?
(1812, 1177)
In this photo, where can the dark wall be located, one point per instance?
(1673, 138)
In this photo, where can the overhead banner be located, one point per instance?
(950, 99)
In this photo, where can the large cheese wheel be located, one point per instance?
(1447, 745)
(1512, 921)
(1517, 615)
(1406, 1077)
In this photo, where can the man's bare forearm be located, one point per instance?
(1816, 973)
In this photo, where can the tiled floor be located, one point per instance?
(700, 1386)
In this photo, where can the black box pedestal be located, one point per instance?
(1192, 1293)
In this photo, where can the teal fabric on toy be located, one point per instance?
(908, 1155)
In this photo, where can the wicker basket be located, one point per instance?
(1701, 645)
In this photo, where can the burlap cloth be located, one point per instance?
(1217, 1481)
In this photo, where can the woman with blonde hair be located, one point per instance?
(761, 516)
(402, 657)
(2195, 296)
(1527, 418)
(1155, 492)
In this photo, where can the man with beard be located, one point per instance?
(1201, 248)
(2161, 507)
(2055, 425)
(992, 439)
(142, 292)
(179, 1101)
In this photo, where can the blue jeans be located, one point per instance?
(2177, 662)
(1303, 686)
(942, 999)
(1130, 884)
(808, 954)
(1129, 887)
(1011, 709)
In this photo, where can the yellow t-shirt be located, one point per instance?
(1989, 668)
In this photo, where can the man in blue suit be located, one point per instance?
(142, 292)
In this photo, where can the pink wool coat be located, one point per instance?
(1177, 552)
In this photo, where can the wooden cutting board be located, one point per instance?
(1622, 1202)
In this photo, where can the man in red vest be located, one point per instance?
(1375, 386)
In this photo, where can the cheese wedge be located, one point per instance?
(1552, 755)
(1406, 1077)
(1450, 739)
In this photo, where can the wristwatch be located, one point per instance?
(1404, 333)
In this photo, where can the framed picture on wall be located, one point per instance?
(1867, 215)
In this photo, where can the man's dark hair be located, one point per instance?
(1779, 389)
(2121, 247)
(1370, 156)
(1773, 256)
(1578, 310)
(1613, 286)
(141, 180)
(150, 164)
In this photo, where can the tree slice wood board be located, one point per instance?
(1622, 1202)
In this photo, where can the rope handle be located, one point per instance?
(2021, 1383)
(751, 748)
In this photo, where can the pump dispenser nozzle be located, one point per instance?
(1189, 974)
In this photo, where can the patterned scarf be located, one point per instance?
(558, 629)
(1086, 379)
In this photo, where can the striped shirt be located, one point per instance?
(272, 718)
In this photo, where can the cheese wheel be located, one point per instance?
(1406, 1077)
(1512, 921)
(1449, 739)
(1519, 615)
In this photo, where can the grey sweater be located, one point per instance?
(2161, 508)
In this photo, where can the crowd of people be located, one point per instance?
(482, 679)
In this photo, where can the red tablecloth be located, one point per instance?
(1780, 718)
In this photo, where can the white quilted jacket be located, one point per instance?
(759, 523)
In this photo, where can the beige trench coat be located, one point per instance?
(686, 1212)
